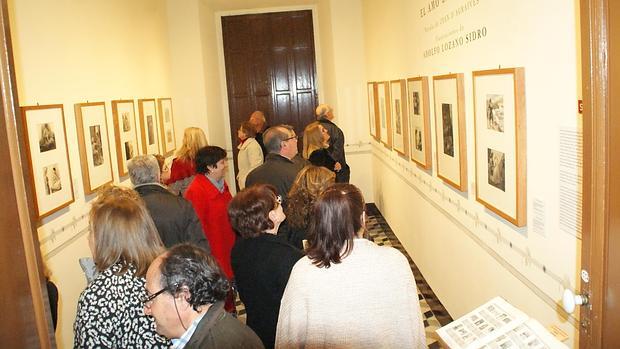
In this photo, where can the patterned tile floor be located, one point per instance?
(433, 312)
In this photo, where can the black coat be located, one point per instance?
(336, 149)
(262, 266)
(174, 217)
(277, 171)
(321, 157)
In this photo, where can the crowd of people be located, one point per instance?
(172, 252)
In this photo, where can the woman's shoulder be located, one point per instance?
(387, 253)
(108, 283)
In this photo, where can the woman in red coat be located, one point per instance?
(210, 196)
(183, 168)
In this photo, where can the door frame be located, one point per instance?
(230, 143)
(596, 156)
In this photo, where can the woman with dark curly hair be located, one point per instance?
(261, 260)
(310, 182)
(331, 300)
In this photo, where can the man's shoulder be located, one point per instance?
(226, 332)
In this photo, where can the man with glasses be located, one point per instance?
(281, 163)
(185, 294)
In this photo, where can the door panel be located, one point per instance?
(270, 66)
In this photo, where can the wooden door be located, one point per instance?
(600, 21)
(270, 66)
(23, 296)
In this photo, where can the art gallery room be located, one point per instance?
(479, 132)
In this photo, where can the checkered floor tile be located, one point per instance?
(434, 313)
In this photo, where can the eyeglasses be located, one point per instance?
(146, 301)
(288, 139)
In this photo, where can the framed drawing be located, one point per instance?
(373, 111)
(499, 109)
(450, 128)
(49, 158)
(166, 121)
(400, 124)
(149, 126)
(418, 114)
(385, 120)
(125, 133)
(92, 132)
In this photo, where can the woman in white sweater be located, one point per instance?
(250, 154)
(348, 292)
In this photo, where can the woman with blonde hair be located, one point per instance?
(309, 183)
(335, 282)
(183, 167)
(250, 154)
(123, 241)
(316, 143)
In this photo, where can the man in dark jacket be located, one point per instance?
(174, 216)
(185, 292)
(325, 115)
(281, 163)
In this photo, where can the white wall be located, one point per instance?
(468, 261)
(76, 51)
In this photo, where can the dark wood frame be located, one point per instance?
(460, 114)
(403, 115)
(120, 156)
(162, 128)
(79, 125)
(427, 164)
(520, 151)
(24, 111)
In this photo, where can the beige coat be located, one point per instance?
(250, 156)
(367, 301)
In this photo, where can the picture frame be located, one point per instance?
(94, 144)
(451, 145)
(48, 157)
(385, 119)
(125, 133)
(373, 111)
(149, 126)
(500, 142)
(166, 121)
(418, 113)
(400, 122)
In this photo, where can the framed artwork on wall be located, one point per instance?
(385, 119)
(400, 123)
(450, 130)
(125, 133)
(419, 121)
(92, 132)
(149, 126)
(166, 121)
(500, 142)
(48, 157)
(373, 111)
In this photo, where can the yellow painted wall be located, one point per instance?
(465, 261)
(76, 51)
(73, 51)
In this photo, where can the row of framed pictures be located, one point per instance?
(48, 152)
(399, 116)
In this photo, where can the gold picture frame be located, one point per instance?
(450, 130)
(166, 122)
(149, 126)
(125, 133)
(48, 157)
(500, 142)
(400, 122)
(418, 113)
(92, 131)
